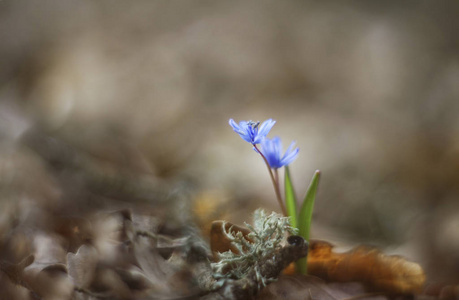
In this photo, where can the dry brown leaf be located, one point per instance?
(12, 280)
(47, 275)
(15, 271)
(386, 273)
(82, 265)
(313, 288)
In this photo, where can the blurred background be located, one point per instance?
(141, 92)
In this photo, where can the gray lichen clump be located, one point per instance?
(266, 237)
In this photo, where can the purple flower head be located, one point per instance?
(252, 132)
(272, 150)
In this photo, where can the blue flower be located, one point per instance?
(272, 150)
(251, 131)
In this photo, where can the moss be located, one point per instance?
(266, 237)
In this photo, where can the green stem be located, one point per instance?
(274, 181)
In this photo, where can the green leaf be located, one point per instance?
(305, 216)
(290, 199)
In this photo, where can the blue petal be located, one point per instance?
(272, 150)
(289, 149)
(277, 146)
(235, 126)
(288, 158)
(246, 137)
(241, 129)
(243, 124)
(266, 127)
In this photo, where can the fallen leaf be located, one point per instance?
(15, 271)
(313, 288)
(82, 265)
(386, 273)
(47, 275)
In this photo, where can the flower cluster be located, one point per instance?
(271, 152)
(271, 149)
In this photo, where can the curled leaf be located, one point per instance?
(219, 242)
(386, 273)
